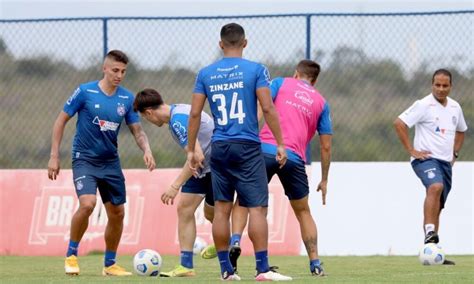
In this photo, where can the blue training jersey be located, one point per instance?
(178, 127)
(230, 85)
(99, 120)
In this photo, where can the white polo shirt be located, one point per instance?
(435, 126)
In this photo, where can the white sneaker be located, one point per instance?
(272, 276)
(230, 277)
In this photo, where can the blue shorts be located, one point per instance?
(201, 186)
(433, 171)
(107, 177)
(238, 165)
(292, 176)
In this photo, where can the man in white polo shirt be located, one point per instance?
(439, 135)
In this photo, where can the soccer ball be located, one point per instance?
(431, 254)
(199, 245)
(147, 262)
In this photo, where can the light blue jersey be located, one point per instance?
(99, 120)
(178, 127)
(230, 85)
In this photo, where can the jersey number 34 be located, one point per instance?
(236, 109)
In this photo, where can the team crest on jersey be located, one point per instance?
(79, 185)
(121, 109)
(454, 120)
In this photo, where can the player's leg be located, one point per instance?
(295, 183)
(112, 191)
(86, 187)
(223, 190)
(431, 176)
(210, 251)
(239, 221)
(252, 189)
(188, 203)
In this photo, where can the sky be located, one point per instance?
(21, 9)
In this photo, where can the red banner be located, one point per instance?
(36, 214)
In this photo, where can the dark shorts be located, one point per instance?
(239, 166)
(292, 176)
(433, 171)
(107, 177)
(202, 186)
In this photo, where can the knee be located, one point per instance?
(436, 189)
(117, 215)
(184, 212)
(209, 215)
(86, 208)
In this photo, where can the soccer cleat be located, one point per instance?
(318, 271)
(179, 271)
(71, 266)
(229, 277)
(272, 275)
(209, 252)
(115, 270)
(432, 237)
(234, 254)
(448, 262)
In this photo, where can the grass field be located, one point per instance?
(15, 269)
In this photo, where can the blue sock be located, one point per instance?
(187, 259)
(235, 238)
(313, 263)
(109, 258)
(261, 258)
(224, 261)
(72, 248)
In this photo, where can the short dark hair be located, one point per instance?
(118, 56)
(443, 72)
(309, 68)
(147, 98)
(232, 34)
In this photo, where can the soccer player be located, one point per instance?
(302, 111)
(232, 86)
(439, 135)
(151, 106)
(101, 107)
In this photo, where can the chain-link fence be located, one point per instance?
(373, 67)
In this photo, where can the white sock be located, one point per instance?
(429, 228)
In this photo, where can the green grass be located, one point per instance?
(15, 269)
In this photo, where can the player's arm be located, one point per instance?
(458, 141)
(142, 142)
(194, 123)
(325, 142)
(271, 118)
(169, 195)
(402, 131)
(57, 136)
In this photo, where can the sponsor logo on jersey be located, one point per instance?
(180, 131)
(121, 109)
(97, 105)
(123, 97)
(227, 69)
(304, 97)
(73, 96)
(105, 125)
(92, 91)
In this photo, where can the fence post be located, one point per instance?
(105, 36)
(308, 56)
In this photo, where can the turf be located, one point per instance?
(15, 269)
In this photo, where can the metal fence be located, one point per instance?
(373, 67)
